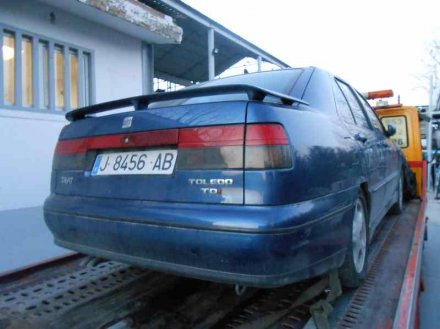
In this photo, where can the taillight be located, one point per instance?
(68, 156)
(80, 154)
(267, 147)
(78, 161)
(216, 147)
(221, 147)
(252, 146)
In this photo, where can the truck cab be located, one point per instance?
(405, 120)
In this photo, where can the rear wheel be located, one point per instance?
(397, 208)
(354, 269)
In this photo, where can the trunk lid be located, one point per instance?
(187, 153)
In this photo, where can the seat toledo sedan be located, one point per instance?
(261, 180)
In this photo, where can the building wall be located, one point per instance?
(27, 139)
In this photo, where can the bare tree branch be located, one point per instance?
(431, 73)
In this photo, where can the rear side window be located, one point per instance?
(342, 106)
(359, 115)
(371, 115)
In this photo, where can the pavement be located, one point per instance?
(25, 239)
(430, 298)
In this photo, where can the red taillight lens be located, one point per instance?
(216, 147)
(70, 155)
(221, 147)
(267, 147)
(80, 154)
(266, 134)
(154, 138)
(211, 136)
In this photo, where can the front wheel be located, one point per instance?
(354, 269)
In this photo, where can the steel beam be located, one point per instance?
(172, 78)
(221, 30)
(211, 54)
(147, 68)
(429, 135)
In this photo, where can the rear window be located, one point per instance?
(281, 81)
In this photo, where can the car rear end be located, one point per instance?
(165, 188)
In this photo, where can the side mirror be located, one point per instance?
(391, 130)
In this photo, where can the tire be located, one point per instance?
(397, 207)
(354, 270)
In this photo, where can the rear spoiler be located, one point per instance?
(141, 102)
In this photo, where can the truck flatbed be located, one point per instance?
(388, 297)
(79, 292)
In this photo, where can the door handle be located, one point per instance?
(360, 138)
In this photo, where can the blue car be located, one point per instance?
(260, 180)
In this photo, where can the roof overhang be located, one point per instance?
(127, 16)
(188, 62)
(219, 29)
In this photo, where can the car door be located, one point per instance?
(371, 155)
(390, 154)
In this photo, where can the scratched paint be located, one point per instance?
(141, 15)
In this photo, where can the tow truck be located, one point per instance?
(405, 119)
(77, 291)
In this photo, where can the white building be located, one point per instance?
(71, 54)
(61, 54)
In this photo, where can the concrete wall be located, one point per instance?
(27, 139)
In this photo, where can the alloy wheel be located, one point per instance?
(359, 237)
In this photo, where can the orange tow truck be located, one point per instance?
(406, 121)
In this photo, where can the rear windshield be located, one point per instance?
(281, 81)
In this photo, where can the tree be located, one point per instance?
(429, 79)
(433, 63)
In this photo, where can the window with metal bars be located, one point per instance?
(41, 74)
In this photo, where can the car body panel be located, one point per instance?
(381, 163)
(311, 176)
(257, 246)
(175, 187)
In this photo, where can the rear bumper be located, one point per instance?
(253, 246)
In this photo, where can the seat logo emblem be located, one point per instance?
(126, 123)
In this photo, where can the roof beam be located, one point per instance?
(211, 55)
(171, 78)
(127, 16)
(207, 22)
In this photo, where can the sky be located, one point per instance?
(373, 45)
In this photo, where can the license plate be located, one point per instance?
(155, 162)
